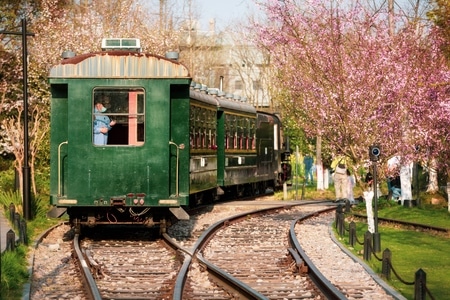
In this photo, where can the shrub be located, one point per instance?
(14, 272)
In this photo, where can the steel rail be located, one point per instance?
(88, 279)
(325, 286)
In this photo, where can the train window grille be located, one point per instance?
(203, 128)
(192, 137)
(197, 140)
(252, 134)
(203, 138)
(124, 106)
(192, 127)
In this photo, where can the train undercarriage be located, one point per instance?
(159, 217)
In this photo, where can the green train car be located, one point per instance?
(134, 140)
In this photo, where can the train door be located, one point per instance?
(177, 143)
(59, 140)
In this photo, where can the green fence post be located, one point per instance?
(386, 264)
(420, 284)
(352, 233)
(367, 245)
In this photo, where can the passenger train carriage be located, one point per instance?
(171, 143)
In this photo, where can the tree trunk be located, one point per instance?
(433, 185)
(319, 165)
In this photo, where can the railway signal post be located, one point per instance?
(374, 154)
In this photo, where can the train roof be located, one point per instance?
(118, 64)
(222, 103)
(236, 105)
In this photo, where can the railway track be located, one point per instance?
(132, 269)
(254, 249)
(247, 258)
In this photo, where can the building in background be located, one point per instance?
(225, 60)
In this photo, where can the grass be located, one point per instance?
(14, 273)
(411, 250)
(14, 264)
(438, 217)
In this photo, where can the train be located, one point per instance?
(135, 141)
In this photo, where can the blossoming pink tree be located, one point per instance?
(346, 78)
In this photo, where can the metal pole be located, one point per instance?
(376, 234)
(26, 167)
(181, 146)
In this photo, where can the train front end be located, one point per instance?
(115, 158)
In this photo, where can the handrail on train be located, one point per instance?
(59, 166)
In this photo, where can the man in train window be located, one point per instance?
(102, 123)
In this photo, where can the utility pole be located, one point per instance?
(26, 168)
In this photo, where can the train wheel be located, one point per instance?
(214, 195)
(240, 191)
(252, 189)
(162, 226)
(76, 226)
(198, 198)
(261, 188)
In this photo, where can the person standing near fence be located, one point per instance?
(339, 165)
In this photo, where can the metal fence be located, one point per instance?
(420, 282)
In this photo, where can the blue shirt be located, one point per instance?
(100, 121)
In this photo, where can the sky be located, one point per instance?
(223, 11)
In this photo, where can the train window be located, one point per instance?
(192, 128)
(241, 125)
(197, 140)
(202, 128)
(253, 133)
(118, 116)
(229, 141)
(203, 138)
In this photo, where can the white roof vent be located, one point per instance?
(121, 44)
